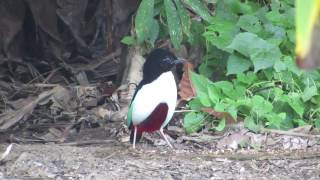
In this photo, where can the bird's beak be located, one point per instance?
(179, 60)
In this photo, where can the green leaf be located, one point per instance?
(143, 20)
(309, 92)
(193, 121)
(195, 37)
(249, 23)
(233, 111)
(221, 125)
(199, 7)
(195, 104)
(280, 66)
(128, 40)
(153, 32)
(263, 59)
(294, 101)
(237, 64)
(174, 24)
(227, 89)
(204, 99)
(199, 82)
(260, 105)
(251, 125)
(300, 122)
(219, 107)
(262, 53)
(184, 17)
(275, 120)
(214, 93)
(248, 78)
(221, 32)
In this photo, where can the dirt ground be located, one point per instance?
(113, 159)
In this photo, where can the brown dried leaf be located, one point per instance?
(187, 91)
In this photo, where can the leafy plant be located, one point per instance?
(250, 55)
(173, 18)
(262, 84)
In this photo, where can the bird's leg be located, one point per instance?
(165, 137)
(134, 137)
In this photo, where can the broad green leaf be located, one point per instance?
(174, 24)
(221, 125)
(226, 88)
(300, 122)
(309, 92)
(263, 59)
(251, 125)
(275, 120)
(153, 32)
(128, 40)
(195, 104)
(199, 7)
(220, 107)
(249, 23)
(288, 60)
(260, 105)
(262, 53)
(232, 110)
(274, 32)
(184, 17)
(193, 121)
(143, 20)
(238, 7)
(204, 98)
(221, 32)
(279, 66)
(293, 99)
(214, 93)
(237, 64)
(248, 78)
(199, 82)
(276, 18)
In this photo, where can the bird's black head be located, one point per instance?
(158, 62)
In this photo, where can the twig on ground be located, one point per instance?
(6, 153)
(288, 133)
(89, 142)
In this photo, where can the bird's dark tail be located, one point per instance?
(139, 134)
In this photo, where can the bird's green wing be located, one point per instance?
(129, 116)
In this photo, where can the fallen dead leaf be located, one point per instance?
(187, 91)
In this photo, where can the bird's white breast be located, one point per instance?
(161, 90)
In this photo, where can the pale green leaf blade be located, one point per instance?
(193, 121)
(174, 23)
(200, 8)
(143, 20)
(237, 64)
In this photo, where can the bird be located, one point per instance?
(155, 97)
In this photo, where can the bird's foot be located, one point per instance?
(165, 138)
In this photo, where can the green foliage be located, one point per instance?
(162, 18)
(250, 55)
(262, 83)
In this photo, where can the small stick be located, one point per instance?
(84, 143)
(289, 133)
(6, 153)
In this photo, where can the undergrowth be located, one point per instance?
(250, 54)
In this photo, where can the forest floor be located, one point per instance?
(200, 156)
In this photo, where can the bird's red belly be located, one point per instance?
(155, 119)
